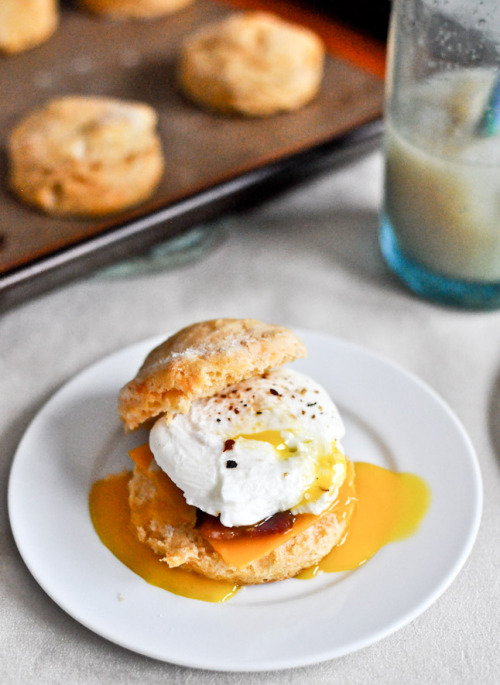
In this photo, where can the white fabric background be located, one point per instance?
(310, 259)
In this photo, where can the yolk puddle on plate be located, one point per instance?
(110, 515)
(389, 507)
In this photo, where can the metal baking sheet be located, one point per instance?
(214, 163)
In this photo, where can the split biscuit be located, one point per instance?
(253, 64)
(180, 544)
(25, 24)
(85, 156)
(134, 9)
(200, 361)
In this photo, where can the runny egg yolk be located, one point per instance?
(390, 507)
(274, 438)
(110, 515)
(328, 466)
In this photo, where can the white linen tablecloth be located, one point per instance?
(309, 259)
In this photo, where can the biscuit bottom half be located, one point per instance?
(168, 525)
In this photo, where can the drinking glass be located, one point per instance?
(440, 222)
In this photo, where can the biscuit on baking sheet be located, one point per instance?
(253, 64)
(26, 23)
(180, 544)
(200, 361)
(122, 9)
(85, 156)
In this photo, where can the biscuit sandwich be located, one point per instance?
(244, 478)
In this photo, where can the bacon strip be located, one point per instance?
(211, 527)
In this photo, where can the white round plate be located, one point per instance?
(392, 419)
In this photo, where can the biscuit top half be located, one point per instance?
(200, 361)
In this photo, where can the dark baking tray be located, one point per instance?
(214, 163)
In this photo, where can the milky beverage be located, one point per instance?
(442, 195)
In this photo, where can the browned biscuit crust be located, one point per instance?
(85, 156)
(200, 361)
(179, 543)
(124, 9)
(26, 23)
(252, 64)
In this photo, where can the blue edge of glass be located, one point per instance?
(432, 286)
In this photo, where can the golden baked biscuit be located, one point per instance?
(85, 156)
(253, 64)
(134, 8)
(176, 539)
(200, 361)
(26, 23)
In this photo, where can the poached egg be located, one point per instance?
(264, 445)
